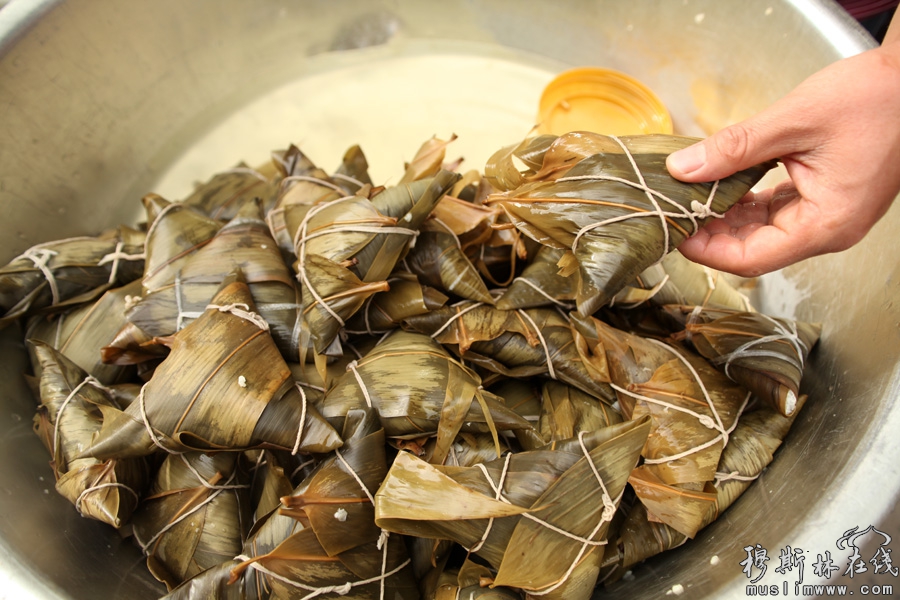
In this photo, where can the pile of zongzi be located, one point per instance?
(509, 384)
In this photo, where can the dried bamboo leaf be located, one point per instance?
(694, 407)
(676, 280)
(418, 389)
(175, 233)
(269, 483)
(540, 283)
(353, 171)
(765, 354)
(684, 509)
(501, 170)
(243, 243)
(335, 498)
(620, 211)
(468, 449)
(750, 449)
(213, 584)
(224, 385)
(468, 582)
(67, 419)
(554, 156)
(332, 294)
(81, 332)
(521, 343)
(567, 411)
(521, 395)
(299, 566)
(67, 272)
(346, 248)
(481, 508)
(194, 515)
(132, 346)
(641, 538)
(286, 553)
(438, 259)
(557, 565)
(428, 160)
(305, 185)
(222, 195)
(387, 310)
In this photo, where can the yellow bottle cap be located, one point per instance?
(602, 101)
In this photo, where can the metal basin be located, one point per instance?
(103, 101)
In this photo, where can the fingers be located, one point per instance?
(724, 153)
(763, 232)
(773, 133)
(763, 250)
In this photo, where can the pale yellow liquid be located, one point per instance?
(387, 100)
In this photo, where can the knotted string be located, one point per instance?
(698, 210)
(711, 422)
(242, 310)
(40, 257)
(115, 256)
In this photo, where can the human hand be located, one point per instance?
(838, 136)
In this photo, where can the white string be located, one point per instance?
(242, 310)
(115, 256)
(606, 515)
(714, 422)
(204, 482)
(653, 291)
(350, 470)
(95, 488)
(733, 476)
(609, 510)
(451, 232)
(552, 371)
(296, 447)
(90, 379)
(215, 494)
(40, 257)
(787, 333)
(179, 303)
(341, 590)
(316, 180)
(301, 256)
(542, 292)
(150, 432)
(720, 426)
(349, 179)
(698, 210)
(352, 367)
(246, 171)
(383, 536)
(310, 386)
(455, 317)
(498, 495)
(540, 521)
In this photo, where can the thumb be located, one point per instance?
(726, 152)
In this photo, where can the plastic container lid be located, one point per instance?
(602, 101)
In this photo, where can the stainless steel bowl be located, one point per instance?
(102, 101)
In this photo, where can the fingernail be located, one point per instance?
(687, 160)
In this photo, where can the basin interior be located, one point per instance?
(196, 89)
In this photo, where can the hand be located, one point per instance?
(838, 136)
